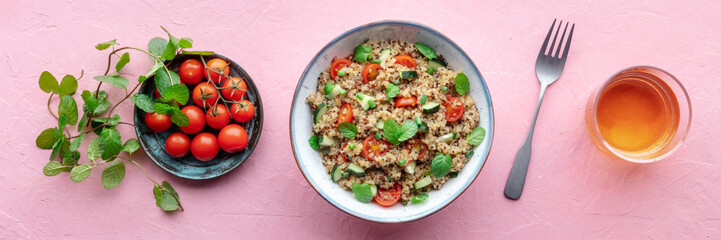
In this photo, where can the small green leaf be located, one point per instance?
(68, 107)
(90, 102)
(175, 41)
(113, 144)
(178, 93)
(392, 91)
(48, 83)
(151, 71)
(348, 129)
(103, 105)
(313, 141)
(462, 84)
(144, 102)
(56, 147)
(162, 81)
(96, 148)
(113, 174)
(123, 60)
(62, 121)
(162, 108)
(408, 129)
(75, 144)
(391, 130)
(164, 198)
(105, 45)
(46, 139)
(424, 99)
(179, 118)
(116, 80)
(68, 85)
(167, 186)
(113, 121)
(71, 160)
(441, 165)
(52, 168)
(362, 53)
(201, 53)
(186, 43)
(362, 192)
(131, 145)
(80, 172)
(476, 136)
(419, 198)
(156, 46)
(426, 51)
(169, 52)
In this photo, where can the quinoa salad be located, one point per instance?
(393, 121)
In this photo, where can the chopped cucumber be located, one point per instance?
(431, 107)
(385, 54)
(423, 127)
(336, 174)
(424, 99)
(380, 123)
(447, 138)
(374, 189)
(423, 182)
(411, 167)
(367, 102)
(436, 64)
(319, 112)
(326, 141)
(356, 170)
(409, 74)
(332, 90)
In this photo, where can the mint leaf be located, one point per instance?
(348, 129)
(170, 189)
(426, 51)
(407, 130)
(169, 52)
(419, 198)
(111, 122)
(201, 53)
(156, 46)
(113, 144)
(68, 107)
(103, 105)
(163, 81)
(46, 139)
(113, 174)
(313, 141)
(179, 118)
(105, 45)
(52, 168)
(462, 84)
(144, 102)
(178, 93)
(186, 43)
(424, 99)
(362, 192)
(90, 102)
(362, 53)
(131, 145)
(476, 136)
(441, 165)
(80, 172)
(392, 91)
(75, 144)
(175, 41)
(68, 85)
(96, 148)
(48, 83)
(164, 198)
(71, 160)
(162, 108)
(123, 60)
(390, 131)
(116, 80)
(151, 71)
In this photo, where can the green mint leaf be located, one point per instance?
(175, 41)
(90, 102)
(186, 43)
(113, 174)
(56, 147)
(46, 139)
(71, 160)
(170, 189)
(201, 53)
(179, 118)
(419, 198)
(391, 131)
(48, 83)
(348, 129)
(80, 172)
(362, 53)
(103, 105)
(117, 81)
(162, 81)
(156, 46)
(105, 45)
(151, 71)
(362, 192)
(407, 130)
(476, 136)
(426, 51)
(123, 60)
(462, 84)
(144, 102)
(164, 198)
(313, 141)
(68, 85)
(169, 52)
(131, 145)
(75, 144)
(177, 92)
(68, 107)
(441, 165)
(392, 91)
(162, 108)
(52, 168)
(113, 144)
(81, 122)
(96, 148)
(111, 122)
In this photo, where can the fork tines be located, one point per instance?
(558, 48)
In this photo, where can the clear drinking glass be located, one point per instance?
(641, 114)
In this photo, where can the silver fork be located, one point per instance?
(548, 69)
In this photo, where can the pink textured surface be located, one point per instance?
(573, 190)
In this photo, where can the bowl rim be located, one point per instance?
(251, 144)
(489, 136)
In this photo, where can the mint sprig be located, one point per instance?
(396, 134)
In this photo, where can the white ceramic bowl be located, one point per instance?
(309, 160)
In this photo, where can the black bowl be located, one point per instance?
(153, 143)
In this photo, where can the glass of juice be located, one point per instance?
(641, 114)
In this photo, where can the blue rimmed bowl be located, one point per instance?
(309, 160)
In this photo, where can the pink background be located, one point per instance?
(573, 189)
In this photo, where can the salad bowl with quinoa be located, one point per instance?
(391, 121)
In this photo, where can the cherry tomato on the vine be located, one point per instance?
(243, 111)
(217, 116)
(233, 89)
(205, 95)
(215, 67)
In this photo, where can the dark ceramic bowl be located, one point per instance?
(188, 167)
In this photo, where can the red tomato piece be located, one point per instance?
(370, 72)
(373, 147)
(388, 197)
(405, 60)
(337, 66)
(454, 109)
(345, 114)
(406, 101)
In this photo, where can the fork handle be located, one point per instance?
(517, 177)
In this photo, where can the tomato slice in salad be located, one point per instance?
(337, 66)
(454, 109)
(405, 101)
(373, 147)
(416, 145)
(388, 197)
(405, 60)
(370, 72)
(345, 114)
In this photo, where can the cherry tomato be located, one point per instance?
(373, 147)
(345, 114)
(216, 66)
(234, 89)
(345, 159)
(406, 101)
(204, 146)
(177, 144)
(243, 111)
(417, 146)
(337, 66)
(454, 109)
(388, 197)
(370, 72)
(233, 138)
(196, 118)
(205, 95)
(217, 116)
(158, 122)
(191, 71)
(406, 61)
